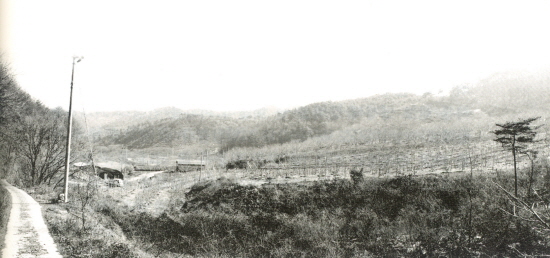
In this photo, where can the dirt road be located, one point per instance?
(144, 175)
(27, 234)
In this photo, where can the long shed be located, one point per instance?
(189, 165)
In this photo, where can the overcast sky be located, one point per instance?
(244, 55)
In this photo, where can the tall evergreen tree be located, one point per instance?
(516, 137)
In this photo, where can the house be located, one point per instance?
(189, 165)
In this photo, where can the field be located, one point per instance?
(380, 160)
(377, 159)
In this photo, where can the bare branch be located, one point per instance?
(525, 206)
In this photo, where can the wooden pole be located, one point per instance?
(69, 127)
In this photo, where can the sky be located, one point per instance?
(244, 55)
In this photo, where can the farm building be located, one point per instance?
(189, 165)
(108, 173)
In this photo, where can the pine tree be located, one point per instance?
(516, 137)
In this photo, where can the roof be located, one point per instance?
(111, 164)
(110, 172)
(190, 162)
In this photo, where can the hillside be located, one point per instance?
(297, 124)
(186, 129)
(502, 96)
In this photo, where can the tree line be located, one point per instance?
(295, 125)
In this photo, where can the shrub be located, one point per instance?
(357, 176)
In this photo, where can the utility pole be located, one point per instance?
(200, 167)
(76, 59)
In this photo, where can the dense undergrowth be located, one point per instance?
(407, 216)
(5, 207)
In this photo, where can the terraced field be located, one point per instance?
(390, 161)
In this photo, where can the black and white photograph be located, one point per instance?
(241, 128)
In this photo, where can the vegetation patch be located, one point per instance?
(406, 216)
(5, 208)
(79, 231)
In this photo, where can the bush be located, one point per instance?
(356, 176)
(403, 216)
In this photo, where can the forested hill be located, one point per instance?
(297, 124)
(32, 141)
(502, 95)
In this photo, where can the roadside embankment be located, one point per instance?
(5, 206)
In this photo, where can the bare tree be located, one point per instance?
(528, 212)
(85, 195)
(41, 146)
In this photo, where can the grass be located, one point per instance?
(5, 207)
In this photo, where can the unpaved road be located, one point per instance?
(27, 234)
(155, 202)
(145, 175)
